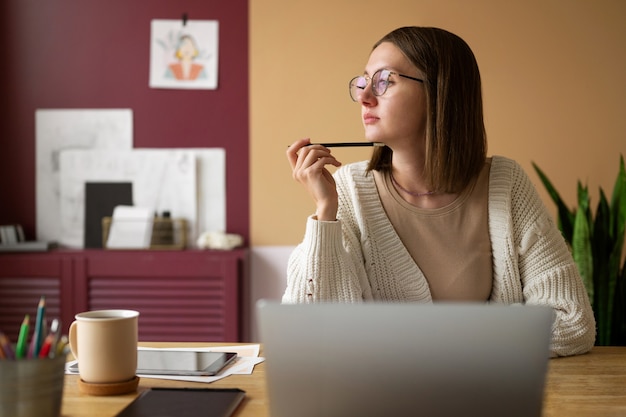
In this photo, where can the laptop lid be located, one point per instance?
(398, 359)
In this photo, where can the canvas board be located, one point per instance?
(163, 180)
(57, 130)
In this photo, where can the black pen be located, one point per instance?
(347, 144)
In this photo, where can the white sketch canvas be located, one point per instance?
(162, 180)
(61, 129)
(131, 228)
(184, 55)
(211, 178)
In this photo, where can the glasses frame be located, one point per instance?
(369, 79)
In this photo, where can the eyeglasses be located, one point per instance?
(380, 82)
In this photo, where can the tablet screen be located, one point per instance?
(182, 362)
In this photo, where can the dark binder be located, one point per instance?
(185, 402)
(100, 201)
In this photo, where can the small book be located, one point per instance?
(185, 402)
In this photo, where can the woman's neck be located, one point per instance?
(407, 177)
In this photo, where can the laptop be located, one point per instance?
(401, 359)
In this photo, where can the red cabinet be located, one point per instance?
(191, 295)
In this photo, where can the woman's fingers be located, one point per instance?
(292, 151)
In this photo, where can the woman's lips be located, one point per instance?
(369, 119)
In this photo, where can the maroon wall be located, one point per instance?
(95, 54)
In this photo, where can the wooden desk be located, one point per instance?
(592, 385)
(76, 404)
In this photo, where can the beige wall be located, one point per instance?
(554, 80)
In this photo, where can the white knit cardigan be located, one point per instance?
(360, 256)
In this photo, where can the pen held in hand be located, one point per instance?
(347, 144)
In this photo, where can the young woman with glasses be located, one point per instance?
(430, 217)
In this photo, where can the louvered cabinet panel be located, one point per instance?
(180, 296)
(23, 280)
(189, 295)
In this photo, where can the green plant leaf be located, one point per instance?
(619, 312)
(617, 285)
(618, 206)
(565, 215)
(583, 201)
(597, 248)
(602, 245)
(601, 238)
(581, 252)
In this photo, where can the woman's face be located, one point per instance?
(187, 49)
(398, 117)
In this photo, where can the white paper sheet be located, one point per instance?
(131, 228)
(247, 359)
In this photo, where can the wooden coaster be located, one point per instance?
(116, 388)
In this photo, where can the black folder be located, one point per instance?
(100, 201)
(185, 402)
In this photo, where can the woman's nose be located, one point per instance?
(367, 97)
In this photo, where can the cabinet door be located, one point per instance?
(24, 278)
(180, 295)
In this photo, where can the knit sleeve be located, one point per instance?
(320, 269)
(548, 272)
(327, 266)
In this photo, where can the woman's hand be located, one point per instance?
(308, 164)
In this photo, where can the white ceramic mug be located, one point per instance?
(105, 344)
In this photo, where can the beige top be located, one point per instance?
(451, 244)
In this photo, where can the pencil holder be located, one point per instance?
(32, 387)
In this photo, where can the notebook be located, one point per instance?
(399, 359)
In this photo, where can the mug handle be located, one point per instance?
(72, 339)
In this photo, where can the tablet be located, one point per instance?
(188, 402)
(182, 362)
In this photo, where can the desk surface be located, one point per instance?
(589, 385)
(76, 404)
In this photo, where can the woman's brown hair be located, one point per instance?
(456, 143)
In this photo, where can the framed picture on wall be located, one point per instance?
(184, 54)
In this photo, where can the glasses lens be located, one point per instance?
(357, 85)
(380, 81)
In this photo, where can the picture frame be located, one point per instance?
(184, 54)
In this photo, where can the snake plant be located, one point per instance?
(597, 245)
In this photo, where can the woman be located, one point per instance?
(430, 217)
(186, 69)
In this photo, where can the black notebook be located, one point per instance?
(184, 402)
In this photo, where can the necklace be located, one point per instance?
(393, 180)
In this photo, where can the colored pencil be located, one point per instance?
(5, 346)
(21, 349)
(39, 326)
(48, 349)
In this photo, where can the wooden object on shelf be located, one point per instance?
(167, 233)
